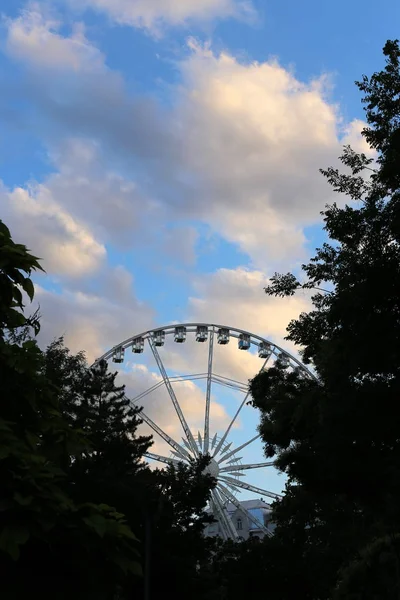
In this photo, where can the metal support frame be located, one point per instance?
(229, 483)
(224, 458)
(177, 447)
(208, 394)
(250, 488)
(224, 518)
(239, 506)
(163, 459)
(185, 426)
(222, 440)
(246, 467)
(216, 512)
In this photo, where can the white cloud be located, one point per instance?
(356, 140)
(154, 15)
(255, 137)
(236, 297)
(71, 216)
(239, 150)
(180, 245)
(65, 245)
(93, 322)
(112, 205)
(34, 38)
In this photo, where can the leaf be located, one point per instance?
(98, 523)
(128, 565)
(11, 538)
(23, 500)
(29, 288)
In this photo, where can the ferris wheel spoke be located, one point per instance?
(208, 393)
(251, 488)
(222, 440)
(224, 458)
(216, 511)
(178, 449)
(240, 507)
(163, 459)
(246, 467)
(146, 392)
(224, 517)
(188, 433)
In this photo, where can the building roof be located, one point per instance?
(247, 504)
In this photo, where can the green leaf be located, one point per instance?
(98, 523)
(29, 288)
(128, 565)
(23, 500)
(11, 538)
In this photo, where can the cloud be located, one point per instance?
(70, 217)
(356, 140)
(239, 147)
(254, 138)
(180, 244)
(66, 246)
(113, 206)
(93, 322)
(155, 15)
(235, 298)
(35, 39)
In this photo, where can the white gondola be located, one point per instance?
(264, 350)
(223, 336)
(138, 345)
(201, 333)
(283, 360)
(244, 341)
(159, 338)
(118, 356)
(180, 334)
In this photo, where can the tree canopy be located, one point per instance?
(337, 436)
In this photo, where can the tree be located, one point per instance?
(374, 573)
(337, 437)
(49, 544)
(164, 507)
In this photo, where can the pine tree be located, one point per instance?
(111, 420)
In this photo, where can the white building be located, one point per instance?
(245, 526)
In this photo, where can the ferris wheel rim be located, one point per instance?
(228, 473)
(169, 329)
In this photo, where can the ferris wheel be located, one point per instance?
(225, 463)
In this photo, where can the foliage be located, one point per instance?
(46, 538)
(164, 507)
(374, 574)
(16, 266)
(336, 436)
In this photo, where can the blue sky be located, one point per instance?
(162, 157)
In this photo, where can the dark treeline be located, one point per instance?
(83, 516)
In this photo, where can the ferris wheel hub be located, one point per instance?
(212, 468)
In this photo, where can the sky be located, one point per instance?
(162, 158)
